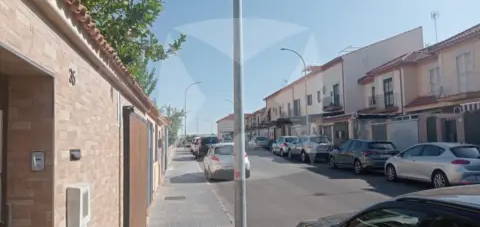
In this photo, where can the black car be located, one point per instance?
(204, 144)
(445, 207)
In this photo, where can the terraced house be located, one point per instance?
(80, 143)
(431, 94)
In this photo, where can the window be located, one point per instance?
(464, 68)
(319, 96)
(289, 109)
(324, 90)
(224, 150)
(356, 145)
(381, 146)
(412, 152)
(434, 79)
(309, 100)
(336, 95)
(372, 98)
(430, 150)
(345, 145)
(389, 217)
(319, 139)
(280, 111)
(388, 92)
(296, 107)
(466, 152)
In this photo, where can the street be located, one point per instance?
(282, 193)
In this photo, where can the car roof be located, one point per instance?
(460, 195)
(446, 144)
(375, 141)
(223, 144)
(289, 136)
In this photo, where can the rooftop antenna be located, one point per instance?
(434, 15)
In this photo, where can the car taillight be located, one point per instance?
(215, 158)
(285, 144)
(460, 162)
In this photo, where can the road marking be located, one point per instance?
(217, 196)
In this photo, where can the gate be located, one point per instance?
(135, 169)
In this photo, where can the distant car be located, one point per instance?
(202, 144)
(362, 154)
(446, 207)
(283, 144)
(311, 148)
(195, 145)
(262, 142)
(441, 164)
(218, 163)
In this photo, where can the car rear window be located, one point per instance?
(224, 150)
(381, 146)
(319, 139)
(209, 140)
(261, 138)
(466, 152)
(290, 139)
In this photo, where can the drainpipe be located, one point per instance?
(401, 91)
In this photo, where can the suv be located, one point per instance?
(262, 142)
(202, 144)
(311, 148)
(362, 154)
(283, 144)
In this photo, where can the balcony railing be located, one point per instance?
(384, 101)
(332, 103)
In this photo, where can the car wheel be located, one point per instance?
(281, 153)
(358, 167)
(290, 156)
(331, 163)
(391, 173)
(304, 157)
(439, 179)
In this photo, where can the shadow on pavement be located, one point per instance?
(184, 159)
(375, 179)
(188, 178)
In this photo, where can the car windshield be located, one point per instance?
(319, 139)
(290, 139)
(466, 152)
(224, 150)
(209, 140)
(261, 138)
(381, 146)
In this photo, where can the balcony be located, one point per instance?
(384, 103)
(332, 103)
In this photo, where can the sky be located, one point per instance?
(318, 29)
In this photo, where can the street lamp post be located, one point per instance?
(307, 117)
(185, 106)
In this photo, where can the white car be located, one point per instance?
(218, 163)
(441, 164)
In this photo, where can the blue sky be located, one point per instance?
(317, 29)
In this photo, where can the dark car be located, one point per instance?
(445, 207)
(362, 154)
(202, 145)
(263, 142)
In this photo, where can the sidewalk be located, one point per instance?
(186, 198)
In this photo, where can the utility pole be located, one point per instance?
(434, 15)
(239, 129)
(185, 106)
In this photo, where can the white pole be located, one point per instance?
(239, 129)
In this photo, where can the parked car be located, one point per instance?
(218, 163)
(202, 144)
(283, 144)
(262, 142)
(311, 148)
(446, 207)
(441, 164)
(362, 155)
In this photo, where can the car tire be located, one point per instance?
(391, 173)
(439, 179)
(331, 163)
(357, 167)
(289, 154)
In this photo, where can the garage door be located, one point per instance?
(403, 133)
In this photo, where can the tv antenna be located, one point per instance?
(434, 15)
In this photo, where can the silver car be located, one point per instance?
(441, 164)
(218, 163)
(311, 148)
(283, 144)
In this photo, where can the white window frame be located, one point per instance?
(434, 80)
(464, 63)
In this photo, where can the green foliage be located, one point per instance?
(175, 117)
(127, 25)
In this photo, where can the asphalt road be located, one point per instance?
(282, 193)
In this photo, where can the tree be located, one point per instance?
(175, 116)
(127, 25)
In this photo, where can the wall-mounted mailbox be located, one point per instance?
(38, 160)
(75, 154)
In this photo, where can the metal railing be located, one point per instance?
(332, 102)
(384, 101)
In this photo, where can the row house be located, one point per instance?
(431, 94)
(256, 124)
(329, 94)
(80, 143)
